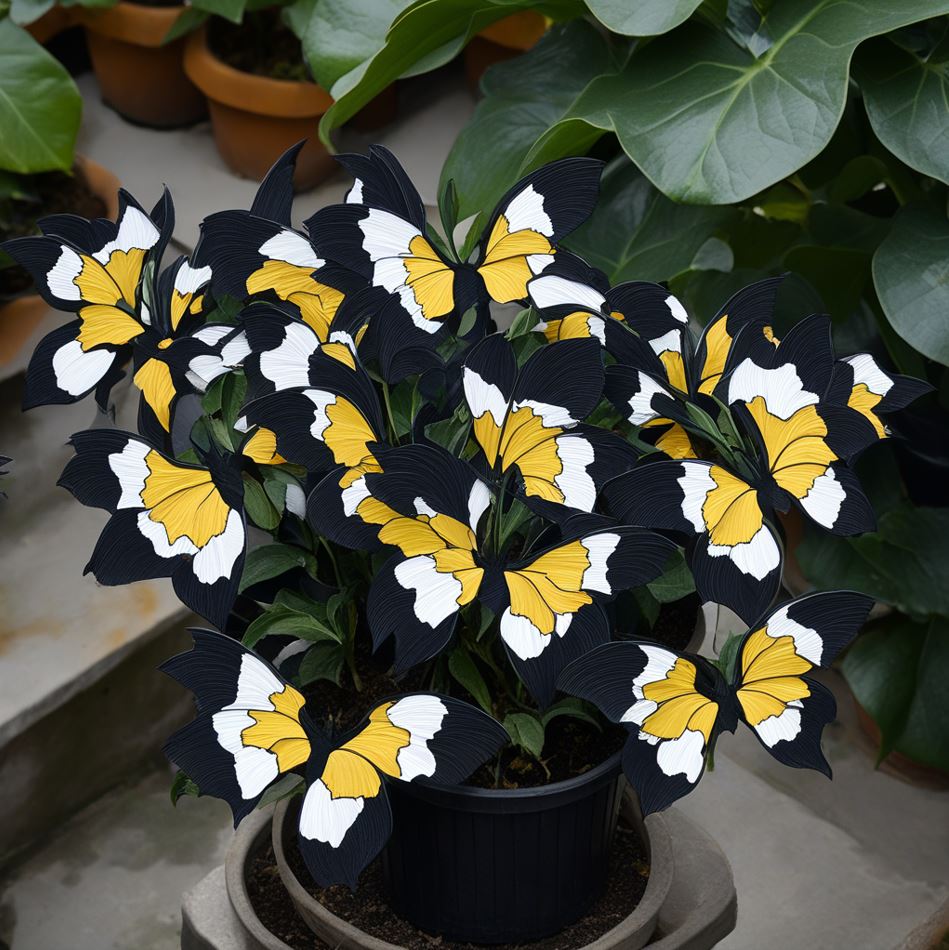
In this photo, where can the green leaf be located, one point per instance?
(675, 582)
(906, 99)
(642, 17)
(272, 560)
(728, 656)
(285, 787)
(911, 274)
(902, 564)
(181, 785)
(343, 34)
(323, 661)
(40, 106)
(428, 34)
(636, 233)
(708, 122)
(896, 670)
(522, 99)
(258, 506)
(278, 620)
(232, 10)
(23, 12)
(187, 22)
(573, 707)
(465, 671)
(525, 731)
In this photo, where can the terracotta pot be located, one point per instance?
(51, 23)
(631, 933)
(140, 78)
(255, 118)
(501, 41)
(20, 317)
(899, 765)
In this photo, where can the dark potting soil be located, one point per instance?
(367, 908)
(676, 622)
(48, 193)
(261, 44)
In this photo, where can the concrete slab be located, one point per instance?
(59, 630)
(113, 877)
(802, 880)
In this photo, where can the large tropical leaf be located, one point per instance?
(40, 106)
(708, 122)
(636, 233)
(342, 34)
(425, 35)
(907, 100)
(897, 671)
(522, 99)
(642, 17)
(911, 274)
(903, 564)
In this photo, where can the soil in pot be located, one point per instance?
(139, 76)
(261, 45)
(367, 909)
(44, 194)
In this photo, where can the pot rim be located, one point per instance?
(259, 95)
(133, 23)
(553, 794)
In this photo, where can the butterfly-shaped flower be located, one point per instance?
(381, 232)
(802, 444)
(431, 507)
(528, 422)
(169, 519)
(645, 328)
(675, 705)
(252, 727)
(259, 254)
(860, 383)
(97, 270)
(333, 426)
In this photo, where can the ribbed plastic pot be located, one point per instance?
(501, 865)
(630, 933)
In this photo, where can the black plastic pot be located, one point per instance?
(501, 866)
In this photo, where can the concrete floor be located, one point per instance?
(856, 863)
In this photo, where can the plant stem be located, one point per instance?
(393, 435)
(332, 557)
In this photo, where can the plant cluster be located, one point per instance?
(745, 138)
(470, 503)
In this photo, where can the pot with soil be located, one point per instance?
(139, 75)
(635, 879)
(91, 191)
(260, 98)
(501, 41)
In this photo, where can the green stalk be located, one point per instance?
(393, 435)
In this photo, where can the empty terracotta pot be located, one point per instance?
(141, 79)
(255, 118)
(500, 41)
(22, 315)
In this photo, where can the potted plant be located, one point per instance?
(39, 172)
(455, 516)
(138, 62)
(261, 94)
(501, 41)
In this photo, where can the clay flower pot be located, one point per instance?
(140, 78)
(20, 317)
(500, 41)
(255, 118)
(51, 23)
